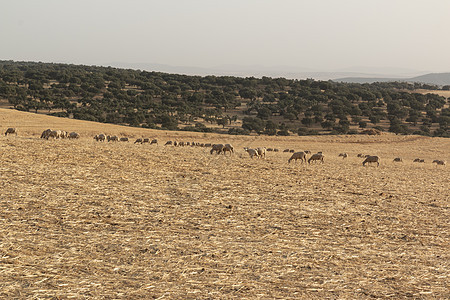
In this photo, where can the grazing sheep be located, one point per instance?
(100, 137)
(344, 155)
(439, 162)
(154, 141)
(298, 155)
(308, 152)
(218, 148)
(261, 152)
(360, 155)
(175, 143)
(113, 138)
(45, 134)
(10, 131)
(251, 152)
(292, 151)
(416, 160)
(138, 141)
(168, 143)
(286, 150)
(145, 140)
(398, 159)
(208, 145)
(73, 135)
(372, 159)
(269, 149)
(316, 157)
(228, 148)
(55, 134)
(276, 150)
(124, 139)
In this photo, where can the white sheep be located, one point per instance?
(252, 152)
(261, 152)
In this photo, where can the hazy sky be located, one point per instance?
(317, 34)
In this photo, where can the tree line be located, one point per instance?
(273, 106)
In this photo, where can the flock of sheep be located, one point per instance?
(259, 152)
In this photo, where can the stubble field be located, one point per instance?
(84, 219)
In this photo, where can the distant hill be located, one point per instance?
(431, 78)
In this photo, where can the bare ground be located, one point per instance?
(81, 219)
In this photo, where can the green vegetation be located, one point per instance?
(272, 106)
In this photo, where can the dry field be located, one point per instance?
(84, 219)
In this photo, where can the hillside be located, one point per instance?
(221, 104)
(85, 219)
(438, 79)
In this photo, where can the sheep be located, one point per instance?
(208, 145)
(292, 151)
(286, 150)
(360, 155)
(73, 135)
(276, 150)
(63, 134)
(439, 162)
(251, 152)
(218, 148)
(228, 148)
(175, 143)
(154, 141)
(308, 152)
(261, 152)
(113, 138)
(45, 134)
(344, 155)
(298, 155)
(168, 143)
(10, 131)
(146, 140)
(56, 134)
(398, 159)
(124, 139)
(269, 149)
(316, 157)
(101, 137)
(372, 159)
(139, 140)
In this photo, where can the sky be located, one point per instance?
(319, 35)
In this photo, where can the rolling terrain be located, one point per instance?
(85, 219)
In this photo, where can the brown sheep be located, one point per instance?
(11, 131)
(298, 155)
(372, 159)
(316, 157)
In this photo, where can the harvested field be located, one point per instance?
(86, 219)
